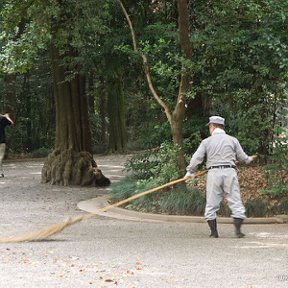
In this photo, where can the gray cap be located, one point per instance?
(216, 120)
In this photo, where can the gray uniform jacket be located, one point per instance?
(219, 149)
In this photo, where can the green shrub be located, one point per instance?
(275, 172)
(141, 165)
(159, 164)
(148, 134)
(128, 187)
(177, 201)
(282, 206)
(194, 130)
(41, 152)
(256, 208)
(166, 168)
(183, 201)
(151, 169)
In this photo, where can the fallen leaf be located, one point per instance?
(138, 263)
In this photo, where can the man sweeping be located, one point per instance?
(5, 121)
(221, 152)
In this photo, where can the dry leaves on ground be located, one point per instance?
(251, 181)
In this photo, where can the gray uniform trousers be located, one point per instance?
(220, 182)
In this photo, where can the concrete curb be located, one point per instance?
(96, 204)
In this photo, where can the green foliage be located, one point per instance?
(29, 26)
(165, 63)
(275, 171)
(282, 206)
(158, 164)
(241, 62)
(151, 169)
(147, 126)
(23, 38)
(194, 131)
(256, 208)
(41, 152)
(183, 201)
(141, 166)
(253, 118)
(177, 201)
(166, 169)
(130, 186)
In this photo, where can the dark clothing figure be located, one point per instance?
(5, 121)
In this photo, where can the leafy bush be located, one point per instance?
(166, 168)
(194, 130)
(141, 165)
(159, 164)
(151, 169)
(282, 206)
(275, 171)
(256, 208)
(148, 169)
(41, 152)
(157, 130)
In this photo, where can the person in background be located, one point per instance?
(5, 121)
(221, 151)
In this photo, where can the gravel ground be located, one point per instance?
(106, 252)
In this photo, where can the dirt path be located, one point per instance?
(103, 252)
(26, 203)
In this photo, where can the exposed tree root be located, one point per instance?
(72, 168)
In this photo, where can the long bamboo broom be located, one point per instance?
(57, 228)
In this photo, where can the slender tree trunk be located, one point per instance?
(27, 96)
(101, 93)
(71, 162)
(91, 96)
(175, 117)
(179, 111)
(117, 117)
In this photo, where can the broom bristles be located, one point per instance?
(46, 232)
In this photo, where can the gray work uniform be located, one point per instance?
(220, 149)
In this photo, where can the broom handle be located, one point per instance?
(149, 191)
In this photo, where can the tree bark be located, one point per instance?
(179, 111)
(117, 119)
(71, 162)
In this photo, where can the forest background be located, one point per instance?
(87, 77)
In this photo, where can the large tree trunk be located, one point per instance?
(71, 162)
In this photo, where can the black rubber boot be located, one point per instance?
(213, 227)
(238, 222)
